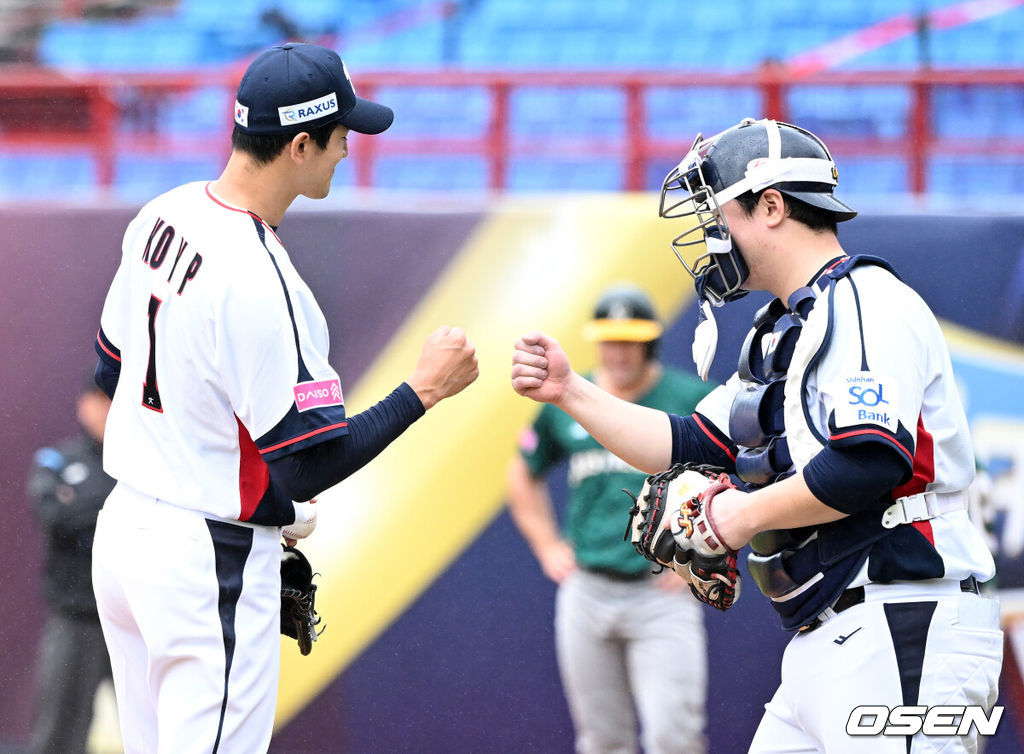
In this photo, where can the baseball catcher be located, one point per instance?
(671, 524)
(298, 612)
(844, 425)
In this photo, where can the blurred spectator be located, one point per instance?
(67, 487)
(22, 21)
(281, 23)
(618, 662)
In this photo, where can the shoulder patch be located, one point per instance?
(318, 393)
(866, 398)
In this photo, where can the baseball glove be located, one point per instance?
(670, 524)
(298, 612)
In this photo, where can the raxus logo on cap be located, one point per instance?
(296, 87)
(306, 111)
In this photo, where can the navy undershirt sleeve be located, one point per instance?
(108, 368)
(307, 472)
(696, 439)
(855, 477)
(106, 375)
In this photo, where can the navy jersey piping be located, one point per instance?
(231, 547)
(814, 362)
(304, 375)
(860, 327)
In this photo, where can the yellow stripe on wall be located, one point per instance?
(970, 344)
(388, 531)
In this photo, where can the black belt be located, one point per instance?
(855, 596)
(614, 575)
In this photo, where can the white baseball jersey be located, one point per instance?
(223, 354)
(874, 367)
(869, 364)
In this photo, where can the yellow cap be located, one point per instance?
(636, 330)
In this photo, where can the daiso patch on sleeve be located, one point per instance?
(317, 394)
(866, 398)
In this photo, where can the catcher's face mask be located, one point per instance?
(706, 248)
(749, 157)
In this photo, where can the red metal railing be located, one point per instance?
(49, 111)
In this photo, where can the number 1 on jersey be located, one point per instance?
(150, 391)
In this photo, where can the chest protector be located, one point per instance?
(802, 571)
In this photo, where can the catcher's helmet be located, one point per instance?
(624, 312)
(751, 156)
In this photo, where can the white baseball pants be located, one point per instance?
(190, 609)
(933, 642)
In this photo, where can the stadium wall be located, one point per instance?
(440, 640)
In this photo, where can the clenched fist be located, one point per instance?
(540, 368)
(447, 364)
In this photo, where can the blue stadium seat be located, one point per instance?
(571, 35)
(73, 45)
(681, 112)
(542, 110)
(138, 178)
(977, 176)
(526, 175)
(872, 177)
(150, 44)
(45, 176)
(474, 51)
(451, 111)
(421, 46)
(198, 112)
(500, 13)
(534, 108)
(569, 32)
(62, 45)
(230, 44)
(447, 173)
(978, 112)
(608, 14)
(855, 111)
(203, 14)
(655, 172)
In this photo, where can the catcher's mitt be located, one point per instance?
(670, 524)
(298, 612)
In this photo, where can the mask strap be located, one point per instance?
(705, 340)
(774, 140)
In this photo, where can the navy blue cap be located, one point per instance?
(300, 87)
